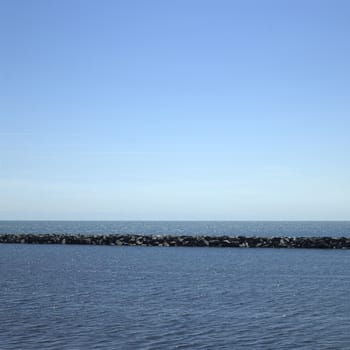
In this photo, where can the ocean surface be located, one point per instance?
(210, 228)
(102, 297)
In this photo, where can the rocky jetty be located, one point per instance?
(182, 241)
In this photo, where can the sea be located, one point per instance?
(119, 297)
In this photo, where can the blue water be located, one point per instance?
(102, 297)
(214, 228)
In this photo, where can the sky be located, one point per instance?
(174, 110)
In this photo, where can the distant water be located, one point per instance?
(214, 228)
(101, 297)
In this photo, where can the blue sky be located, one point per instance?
(170, 110)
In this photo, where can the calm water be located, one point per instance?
(101, 297)
(252, 228)
(88, 297)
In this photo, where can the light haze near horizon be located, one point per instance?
(170, 110)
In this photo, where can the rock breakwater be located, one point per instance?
(182, 241)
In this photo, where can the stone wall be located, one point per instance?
(182, 241)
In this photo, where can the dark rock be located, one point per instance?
(182, 241)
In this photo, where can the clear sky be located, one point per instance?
(181, 109)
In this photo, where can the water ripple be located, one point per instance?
(71, 297)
